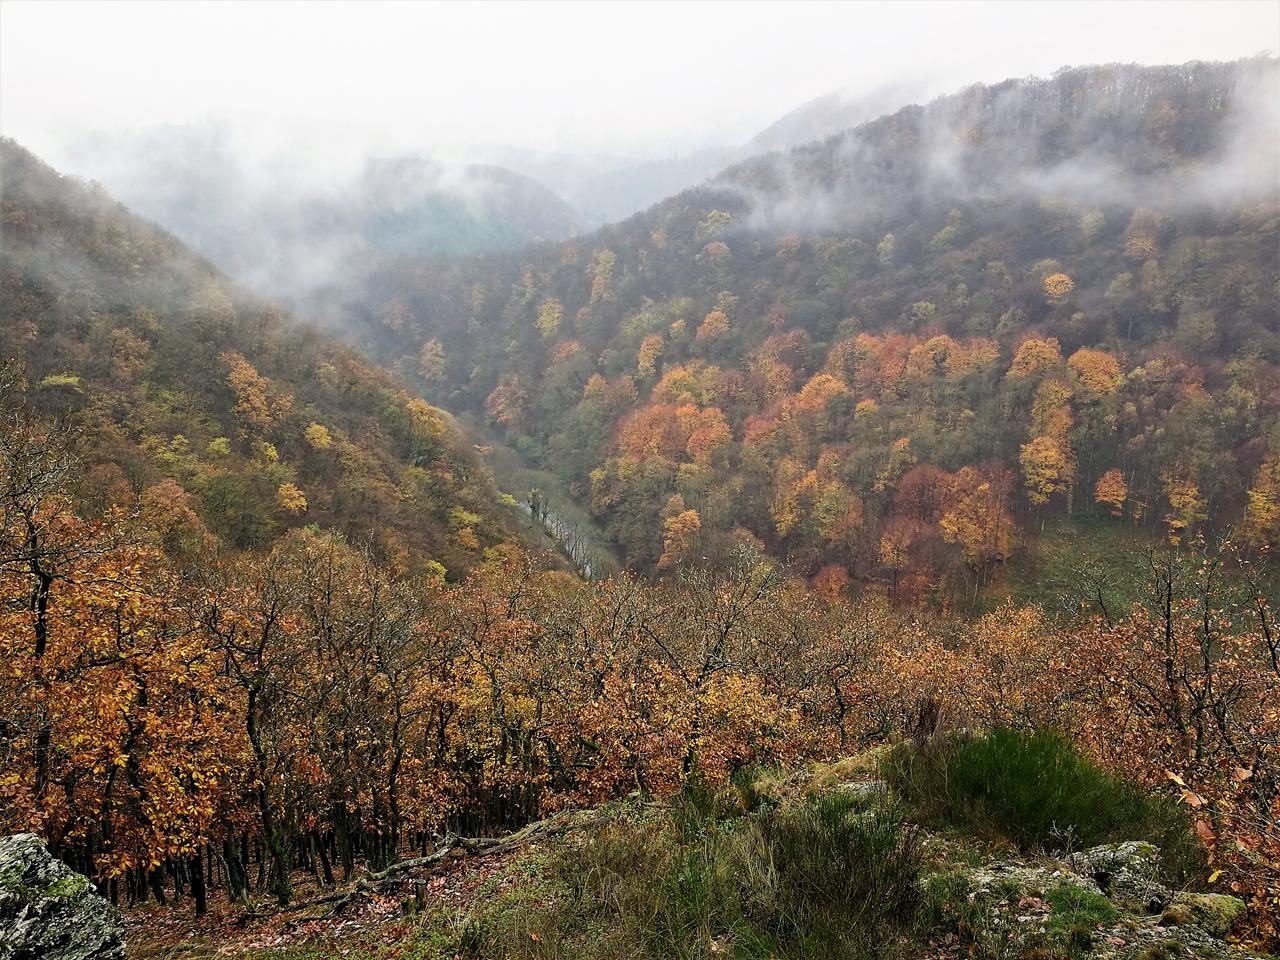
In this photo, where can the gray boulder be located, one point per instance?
(865, 789)
(50, 912)
(1128, 873)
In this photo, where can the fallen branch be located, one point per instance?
(452, 847)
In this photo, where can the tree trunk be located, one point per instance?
(198, 891)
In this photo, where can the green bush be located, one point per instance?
(1038, 791)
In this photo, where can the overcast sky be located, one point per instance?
(651, 77)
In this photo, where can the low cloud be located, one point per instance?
(1110, 136)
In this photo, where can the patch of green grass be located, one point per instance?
(945, 904)
(1076, 915)
(1036, 790)
(1057, 562)
(1074, 565)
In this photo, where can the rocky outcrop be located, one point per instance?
(1151, 939)
(1128, 873)
(1131, 914)
(50, 912)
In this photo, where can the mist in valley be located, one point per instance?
(430, 130)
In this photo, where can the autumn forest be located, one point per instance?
(961, 422)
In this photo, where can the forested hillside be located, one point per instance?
(232, 422)
(891, 355)
(216, 530)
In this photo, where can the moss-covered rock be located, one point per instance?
(1214, 913)
(49, 911)
(1104, 903)
(1132, 856)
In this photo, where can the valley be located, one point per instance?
(555, 521)
(851, 540)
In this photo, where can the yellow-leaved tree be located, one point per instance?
(1262, 514)
(1112, 490)
(1046, 469)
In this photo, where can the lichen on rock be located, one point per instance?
(1055, 905)
(1128, 873)
(49, 911)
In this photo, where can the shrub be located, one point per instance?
(829, 869)
(1038, 791)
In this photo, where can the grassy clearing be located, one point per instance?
(1049, 571)
(1058, 564)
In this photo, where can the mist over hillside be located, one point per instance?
(837, 111)
(609, 188)
(219, 412)
(1202, 135)
(289, 218)
(286, 211)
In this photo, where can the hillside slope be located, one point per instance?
(196, 395)
(413, 206)
(894, 352)
(824, 861)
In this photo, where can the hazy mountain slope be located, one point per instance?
(833, 113)
(608, 189)
(411, 206)
(284, 226)
(176, 375)
(773, 352)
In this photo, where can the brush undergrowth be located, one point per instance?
(1036, 790)
(732, 873)
(800, 869)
